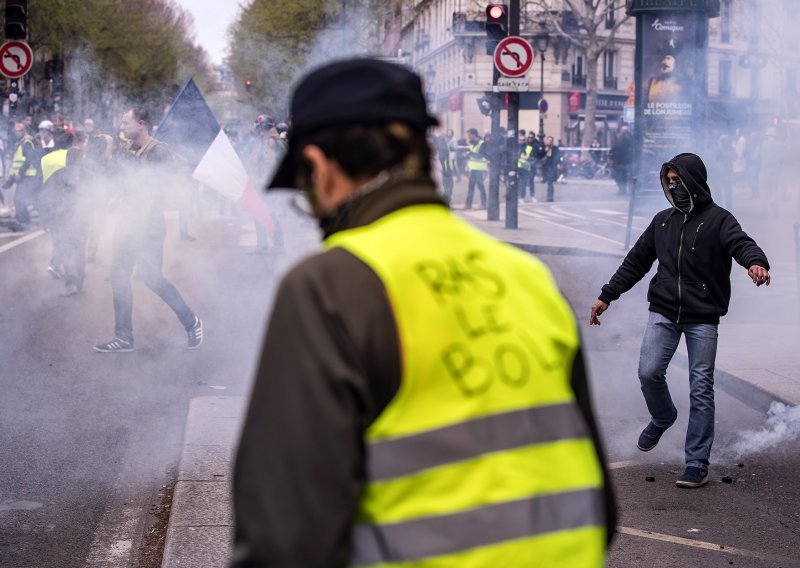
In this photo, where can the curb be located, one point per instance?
(563, 251)
(750, 394)
(200, 529)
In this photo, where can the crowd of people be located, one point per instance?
(469, 158)
(68, 177)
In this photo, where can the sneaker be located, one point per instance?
(651, 434)
(195, 334)
(693, 477)
(116, 345)
(70, 290)
(53, 271)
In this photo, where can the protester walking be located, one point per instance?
(138, 239)
(693, 241)
(549, 156)
(421, 396)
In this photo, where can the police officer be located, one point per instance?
(421, 392)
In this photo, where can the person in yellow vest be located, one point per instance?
(421, 398)
(526, 165)
(477, 166)
(25, 174)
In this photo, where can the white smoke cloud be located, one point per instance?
(783, 426)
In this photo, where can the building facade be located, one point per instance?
(753, 61)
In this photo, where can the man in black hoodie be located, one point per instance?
(694, 242)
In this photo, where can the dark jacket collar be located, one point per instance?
(366, 207)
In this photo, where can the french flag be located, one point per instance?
(192, 130)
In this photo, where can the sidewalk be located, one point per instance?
(757, 373)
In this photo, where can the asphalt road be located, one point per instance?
(89, 439)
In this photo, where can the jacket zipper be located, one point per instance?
(695, 235)
(680, 251)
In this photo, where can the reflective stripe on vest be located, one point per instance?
(476, 161)
(19, 159)
(482, 458)
(52, 162)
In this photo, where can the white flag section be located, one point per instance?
(223, 171)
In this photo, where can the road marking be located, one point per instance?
(607, 212)
(21, 240)
(698, 544)
(621, 464)
(569, 213)
(587, 233)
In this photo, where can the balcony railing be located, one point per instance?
(579, 80)
(610, 83)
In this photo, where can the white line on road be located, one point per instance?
(607, 212)
(569, 213)
(587, 233)
(697, 544)
(21, 240)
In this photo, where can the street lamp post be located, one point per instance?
(540, 40)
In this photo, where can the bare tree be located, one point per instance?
(583, 23)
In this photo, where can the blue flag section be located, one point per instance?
(189, 126)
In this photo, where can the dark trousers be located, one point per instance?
(24, 194)
(476, 180)
(550, 188)
(621, 175)
(527, 181)
(145, 251)
(69, 239)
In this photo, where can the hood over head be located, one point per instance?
(692, 172)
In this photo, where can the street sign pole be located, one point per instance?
(512, 147)
(493, 205)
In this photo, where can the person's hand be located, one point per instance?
(759, 275)
(597, 308)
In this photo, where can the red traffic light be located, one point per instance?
(248, 82)
(496, 12)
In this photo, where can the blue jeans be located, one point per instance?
(658, 346)
(143, 250)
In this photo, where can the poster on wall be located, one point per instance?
(669, 65)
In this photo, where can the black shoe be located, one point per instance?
(195, 334)
(17, 228)
(651, 434)
(116, 345)
(693, 477)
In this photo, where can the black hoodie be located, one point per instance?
(694, 251)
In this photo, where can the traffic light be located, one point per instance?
(16, 24)
(247, 84)
(496, 26)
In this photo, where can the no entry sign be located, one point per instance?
(16, 59)
(513, 56)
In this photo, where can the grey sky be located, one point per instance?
(211, 21)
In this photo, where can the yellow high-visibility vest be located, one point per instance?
(482, 458)
(18, 159)
(53, 162)
(525, 159)
(475, 161)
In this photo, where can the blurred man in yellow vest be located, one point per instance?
(477, 166)
(25, 174)
(421, 398)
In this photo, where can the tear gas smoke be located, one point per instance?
(782, 428)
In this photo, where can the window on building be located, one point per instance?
(609, 72)
(725, 78)
(725, 21)
(577, 66)
(791, 82)
(611, 14)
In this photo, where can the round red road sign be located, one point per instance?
(513, 56)
(16, 59)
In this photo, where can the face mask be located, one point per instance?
(680, 196)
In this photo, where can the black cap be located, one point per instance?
(353, 91)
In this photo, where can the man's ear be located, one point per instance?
(321, 167)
